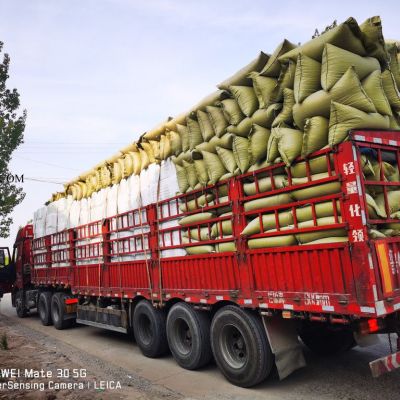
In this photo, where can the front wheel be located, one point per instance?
(20, 307)
(240, 346)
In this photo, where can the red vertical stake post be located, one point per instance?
(71, 258)
(106, 250)
(354, 212)
(245, 284)
(155, 272)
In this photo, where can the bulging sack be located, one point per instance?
(286, 115)
(391, 90)
(265, 89)
(194, 133)
(241, 153)
(273, 66)
(373, 87)
(266, 202)
(318, 165)
(246, 98)
(323, 189)
(346, 36)
(228, 159)
(316, 130)
(307, 79)
(273, 241)
(317, 104)
(264, 185)
(336, 61)
(242, 129)
(184, 134)
(218, 120)
(289, 143)
(343, 118)
(232, 111)
(190, 173)
(316, 235)
(241, 77)
(324, 209)
(265, 116)
(349, 91)
(258, 143)
(268, 221)
(215, 167)
(373, 40)
(206, 128)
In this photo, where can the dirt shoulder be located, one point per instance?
(40, 367)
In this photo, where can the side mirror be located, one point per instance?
(2, 258)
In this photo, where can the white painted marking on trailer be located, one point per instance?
(394, 361)
(219, 298)
(109, 294)
(203, 301)
(288, 306)
(363, 218)
(188, 299)
(380, 308)
(396, 306)
(377, 140)
(155, 294)
(263, 305)
(371, 263)
(139, 293)
(359, 137)
(248, 301)
(369, 310)
(125, 295)
(375, 292)
(328, 308)
(393, 142)
(167, 296)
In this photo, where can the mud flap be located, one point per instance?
(285, 345)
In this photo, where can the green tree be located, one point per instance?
(12, 128)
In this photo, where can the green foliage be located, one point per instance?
(4, 342)
(12, 128)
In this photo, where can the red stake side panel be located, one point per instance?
(124, 256)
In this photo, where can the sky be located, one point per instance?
(96, 74)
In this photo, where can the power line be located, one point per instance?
(43, 181)
(46, 163)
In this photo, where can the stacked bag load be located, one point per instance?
(277, 108)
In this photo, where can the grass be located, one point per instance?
(4, 342)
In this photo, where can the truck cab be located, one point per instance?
(7, 271)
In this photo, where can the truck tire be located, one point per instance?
(44, 308)
(240, 346)
(324, 339)
(20, 307)
(58, 312)
(188, 333)
(149, 329)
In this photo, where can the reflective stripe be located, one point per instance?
(385, 268)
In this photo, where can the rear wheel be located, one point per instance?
(325, 339)
(58, 314)
(188, 333)
(149, 329)
(20, 307)
(44, 308)
(240, 346)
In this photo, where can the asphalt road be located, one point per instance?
(345, 376)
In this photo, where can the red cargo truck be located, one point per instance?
(245, 307)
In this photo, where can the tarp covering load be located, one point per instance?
(278, 108)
